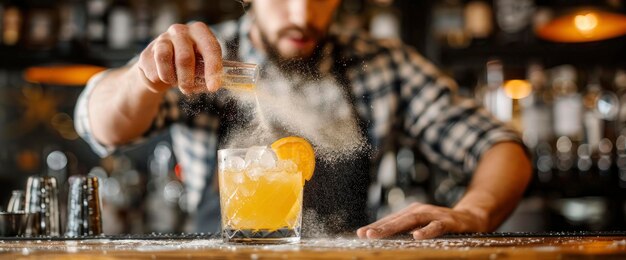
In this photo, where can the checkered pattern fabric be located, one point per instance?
(400, 96)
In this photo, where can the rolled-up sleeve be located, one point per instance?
(168, 113)
(82, 120)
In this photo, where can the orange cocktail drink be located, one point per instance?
(261, 192)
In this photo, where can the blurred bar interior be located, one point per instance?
(554, 69)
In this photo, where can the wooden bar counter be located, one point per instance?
(483, 246)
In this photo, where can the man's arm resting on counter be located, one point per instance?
(122, 106)
(498, 184)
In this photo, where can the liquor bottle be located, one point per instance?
(478, 19)
(593, 124)
(567, 115)
(601, 112)
(620, 87)
(448, 24)
(41, 26)
(620, 142)
(12, 19)
(536, 109)
(72, 25)
(96, 27)
(142, 13)
(120, 26)
(513, 18)
(164, 192)
(567, 103)
(495, 99)
(384, 22)
(166, 15)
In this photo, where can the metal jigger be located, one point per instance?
(83, 207)
(17, 202)
(42, 202)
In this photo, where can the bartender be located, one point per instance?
(393, 92)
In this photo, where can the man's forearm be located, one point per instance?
(121, 107)
(498, 184)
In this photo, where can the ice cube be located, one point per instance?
(238, 177)
(254, 154)
(254, 174)
(268, 159)
(234, 163)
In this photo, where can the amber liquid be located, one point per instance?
(237, 83)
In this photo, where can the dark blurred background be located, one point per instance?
(563, 87)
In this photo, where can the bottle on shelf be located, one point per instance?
(164, 192)
(72, 25)
(448, 26)
(478, 19)
(619, 82)
(537, 109)
(41, 26)
(513, 18)
(495, 99)
(593, 124)
(568, 109)
(142, 14)
(120, 32)
(167, 14)
(12, 19)
(96, 27)
(385, 23)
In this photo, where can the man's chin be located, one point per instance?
(292, 52)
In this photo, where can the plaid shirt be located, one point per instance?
(401, 96)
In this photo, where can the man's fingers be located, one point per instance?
(209, 48)
(148, 69)
(184, 57)
(433, 229)
(362, 232)
(403, 223)
(164, 58)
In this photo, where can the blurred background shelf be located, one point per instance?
(18, 58)
(36, 118)
(610, 53)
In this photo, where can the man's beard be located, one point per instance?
(306, 67)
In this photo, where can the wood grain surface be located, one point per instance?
(567, 247)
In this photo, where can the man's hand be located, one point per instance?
(497, 185)
(170, 60)
(424, 221)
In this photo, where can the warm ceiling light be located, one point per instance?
(584, 26)
(517, 89)
(586, 22)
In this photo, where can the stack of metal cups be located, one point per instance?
(17, 203)
(42, 202)
(83, 207)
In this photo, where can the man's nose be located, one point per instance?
(299, 12)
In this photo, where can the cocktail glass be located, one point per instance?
(260, 196)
